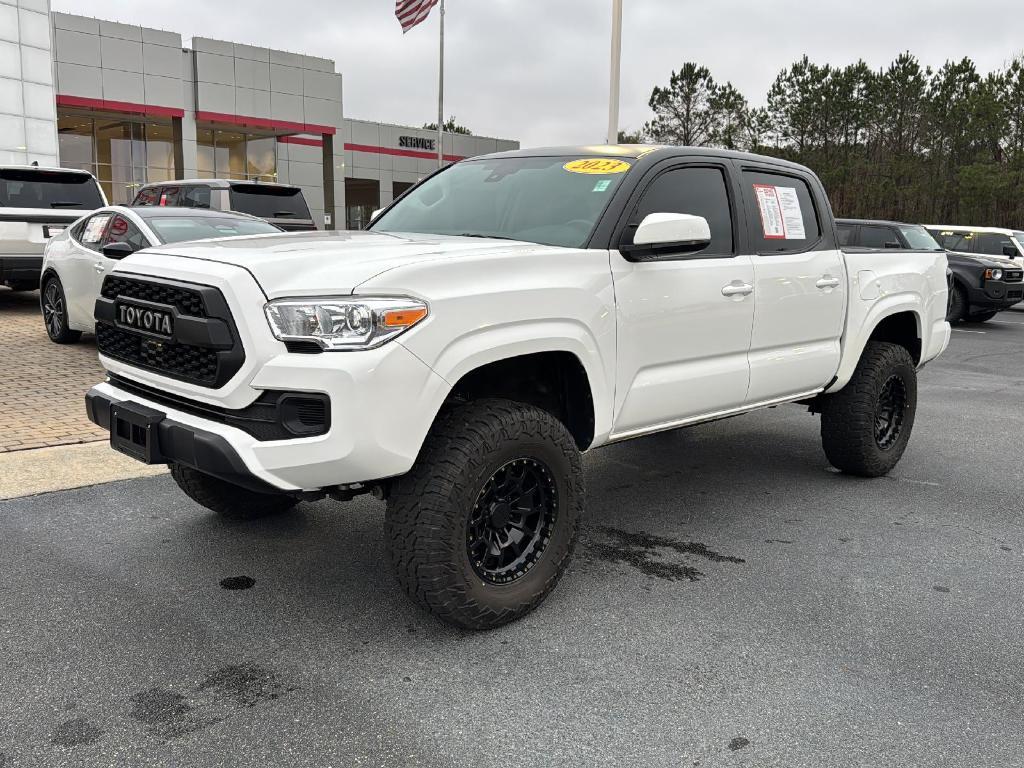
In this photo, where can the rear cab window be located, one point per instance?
(847, 233)
(269, 202)
(875, 236)
(782, 216)
(51, 190)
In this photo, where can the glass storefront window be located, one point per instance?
(122, 153)
(235, 155)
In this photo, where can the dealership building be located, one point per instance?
(133, 105)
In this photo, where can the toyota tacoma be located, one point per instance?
(497, 320)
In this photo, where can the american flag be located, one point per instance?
(412, 12)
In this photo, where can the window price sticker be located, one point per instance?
(781, 215)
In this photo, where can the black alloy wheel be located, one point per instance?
(889, 412)
(55, 314)
(511, 522)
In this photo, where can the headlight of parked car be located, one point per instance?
(344, 323)
(993, 274)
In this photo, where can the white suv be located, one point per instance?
(35, 205)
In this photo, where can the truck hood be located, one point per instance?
(325, 263)
(968, 259)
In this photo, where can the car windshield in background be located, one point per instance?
(1019, 238)
(269, 202)
(179, 229)
(919, 239)
(29, 188)
(548, 200)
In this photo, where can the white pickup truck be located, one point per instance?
(502, 317)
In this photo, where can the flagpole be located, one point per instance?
(613, 89)
(440, 97)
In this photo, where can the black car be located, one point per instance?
(980, 287)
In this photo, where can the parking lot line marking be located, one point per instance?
(1004, 322)
(961, 330)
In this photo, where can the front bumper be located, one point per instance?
(995, 294)
(383, 403)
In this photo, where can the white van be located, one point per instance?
(36, 204)
(983, 241)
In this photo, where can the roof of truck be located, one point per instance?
(652, 152)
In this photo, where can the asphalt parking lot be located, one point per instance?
(733, 602)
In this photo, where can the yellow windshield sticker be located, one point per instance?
(597, 165)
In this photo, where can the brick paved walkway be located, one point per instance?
(42, 384)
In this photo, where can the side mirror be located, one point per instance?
(117, 250)
(1010, 252)
(375, 214)
(669, 233)
(892, 244)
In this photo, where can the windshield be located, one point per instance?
(269, 202)
(28, 188)
(178, 229)
(1018, 238)
(919, 239)
(548, 200)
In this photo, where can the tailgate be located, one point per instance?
(26, 232)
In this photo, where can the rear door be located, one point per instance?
(799, 283)
(682, 342)
(79, 274)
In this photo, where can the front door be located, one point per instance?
(799, 286)
(683, 322)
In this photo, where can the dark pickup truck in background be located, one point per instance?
(982, 285)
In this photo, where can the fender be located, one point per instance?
(490, 344)
(865, 325)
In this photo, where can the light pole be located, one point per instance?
(613, 90)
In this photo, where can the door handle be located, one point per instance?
(828, 282)
(738, 289)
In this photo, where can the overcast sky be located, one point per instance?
(537, 70)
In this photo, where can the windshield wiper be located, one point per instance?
(487, 237)
(64, 204)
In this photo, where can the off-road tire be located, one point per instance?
(429, 509)
(54, 307)
(848, 419)
(958, 305)
(227, 499)
(982, 317)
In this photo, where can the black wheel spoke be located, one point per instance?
(510, 524)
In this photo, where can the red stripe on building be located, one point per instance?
(262, 122)
(401, 152)
(150, 110)
(300, 140)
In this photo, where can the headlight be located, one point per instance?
(993, 274)
(343, 324)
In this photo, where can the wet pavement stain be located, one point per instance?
(74, 733)
(738, 743)
(940, 588)
(779, 541)
(166, 713)
(238, 582)
(640, 550)
(244, 684)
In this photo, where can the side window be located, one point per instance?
(846, 234)
(195, 197)
(697, 191)
(878, 237)
(169, 196)
(992, 244)
(148, 196)
(781, 214)
(93, 230)
(953, 241)
(123, 231)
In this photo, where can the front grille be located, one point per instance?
(1013, 275)
(204, 350)
(188, 301)
(1014, 294)
(182, 361)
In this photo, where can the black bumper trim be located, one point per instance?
(181, 444)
